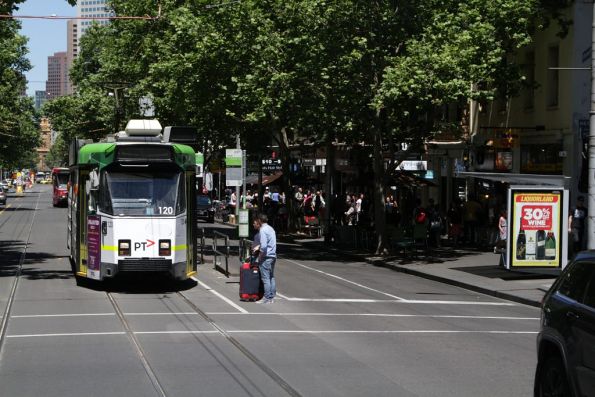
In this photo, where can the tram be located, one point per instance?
(131, 203)
(59, 182)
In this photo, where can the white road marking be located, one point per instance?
(458, 302)
(163, 314)
(67, 334)
(227, 300)
(376, 315)
(422, 331)
(63, 315)
(434, 302)
(398, 298)
(289, 314)
(344, 280)
(175, 332)
(280, 331)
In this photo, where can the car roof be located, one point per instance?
(582, 256)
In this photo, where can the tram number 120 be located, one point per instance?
(166, 210)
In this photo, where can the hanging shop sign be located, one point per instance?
(537, 218)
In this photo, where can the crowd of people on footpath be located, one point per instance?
(470, 222)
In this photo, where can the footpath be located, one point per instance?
(465, 267)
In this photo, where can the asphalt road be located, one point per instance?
(338, 328)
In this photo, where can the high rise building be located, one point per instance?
(71, 49)
(57, 82)
(91, 9)
(40, 98)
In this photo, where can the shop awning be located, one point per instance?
(520, 179)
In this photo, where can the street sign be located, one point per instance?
(233, 167)
(271, 165)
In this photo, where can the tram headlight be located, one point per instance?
(124, 247)
(164, 247)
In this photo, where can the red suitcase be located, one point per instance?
(251, 287)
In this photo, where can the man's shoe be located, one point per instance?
(263, 301)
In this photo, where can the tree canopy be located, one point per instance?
(19, 135)
(287, 71)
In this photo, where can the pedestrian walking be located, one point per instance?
(266, 257)
(577, 223)
(502, 232)
(454, 223)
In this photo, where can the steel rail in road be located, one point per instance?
(15, 282)
(243, 349)
(139, 350)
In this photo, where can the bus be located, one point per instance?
(59, 186)
(131, 205)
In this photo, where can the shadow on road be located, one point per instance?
(138, 284)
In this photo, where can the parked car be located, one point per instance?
(3, 196)
(204, 208)
(566, 341)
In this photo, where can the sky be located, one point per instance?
(45, 37)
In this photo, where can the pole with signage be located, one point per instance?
(537, 221)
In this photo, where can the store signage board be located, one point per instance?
(413, 165)
(537, 217)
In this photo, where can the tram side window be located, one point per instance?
(105, 202)
(181, 201)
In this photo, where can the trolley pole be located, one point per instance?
(591, 175)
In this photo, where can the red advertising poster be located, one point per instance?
(536, 229)
(93, 246)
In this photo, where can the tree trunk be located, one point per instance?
(330, 188)
(379, 215)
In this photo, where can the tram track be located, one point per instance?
(137, 346)
(160, 390)
(270, 372)
(17, 275)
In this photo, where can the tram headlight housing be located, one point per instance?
(164, 247)
(124, 247)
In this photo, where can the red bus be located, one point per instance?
(59, 183)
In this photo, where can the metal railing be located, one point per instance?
(202, 245)
(217, 253)
(245, 249)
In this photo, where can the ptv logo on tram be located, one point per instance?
(143, 245)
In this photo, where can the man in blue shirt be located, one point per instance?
(267, 256)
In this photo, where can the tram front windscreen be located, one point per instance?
(142, 193)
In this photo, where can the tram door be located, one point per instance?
(191, 247)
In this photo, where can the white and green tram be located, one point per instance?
(131, 204)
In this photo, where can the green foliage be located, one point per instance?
(18, 131)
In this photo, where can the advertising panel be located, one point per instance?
(536, 220)
(93, 246)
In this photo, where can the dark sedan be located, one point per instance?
(3, 196)
(205, 209)
(566, 341)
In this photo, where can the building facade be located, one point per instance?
(40, 98)
(57, 82)
(71, 49)
(91, 9)
(543, 130)
(42, 151)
